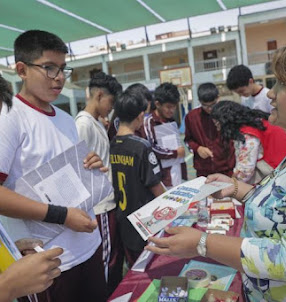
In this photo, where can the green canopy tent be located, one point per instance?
(74, 20)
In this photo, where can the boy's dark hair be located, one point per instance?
(129, 105)
(30, 45)
(167, 93)
(207, 92)
(5, 92)
(238, 76)
(232, 116)
(141, 89)
(105, 81)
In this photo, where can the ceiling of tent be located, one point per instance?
(74, 20)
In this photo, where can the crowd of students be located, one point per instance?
(84, 262)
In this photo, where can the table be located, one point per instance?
(159, 266)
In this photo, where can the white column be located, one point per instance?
(241, 28)
(104, 64)
(238, 50)
(146, 67)
(191, 59)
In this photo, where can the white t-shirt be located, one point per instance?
(95, 135)
(258, 101)
(29, 138)
(4, 108)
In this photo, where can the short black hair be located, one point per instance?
(129, 105)
(232, 116)
(5, 92)
(105, 81)
(238, 76)
(30, 45)
(207, 92)
(167, 93)
(142, 89)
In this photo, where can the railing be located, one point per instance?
(82, 83)
(215, 64)
(260, 57)
(155, 72)
(133, 76)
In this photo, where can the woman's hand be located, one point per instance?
(223, 178)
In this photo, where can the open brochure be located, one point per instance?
(63, 181)
(168, 137)
(158, 213)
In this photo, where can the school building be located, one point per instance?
(185, 58)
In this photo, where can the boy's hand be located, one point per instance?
(181, 152)
(204, 152)
(79, 221)
(26, 245)
(93, 161)
(33, 273)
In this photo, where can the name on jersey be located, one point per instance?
(122, 159)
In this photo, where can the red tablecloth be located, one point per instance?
(137, 282)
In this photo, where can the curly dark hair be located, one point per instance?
(232, 116)
(5, 92)
(105, 81)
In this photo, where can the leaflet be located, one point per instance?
(158, 213)
(63, 181)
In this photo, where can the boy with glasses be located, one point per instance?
(202, 137)
(32, 133)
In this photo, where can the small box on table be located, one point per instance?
(173, 289)
(223, 207)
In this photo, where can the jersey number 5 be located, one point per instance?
(121, 182)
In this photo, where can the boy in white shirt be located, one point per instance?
(102, 92)
(253, 95)
(32, 133)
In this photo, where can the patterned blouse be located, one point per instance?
(246, 156)
(263, 250)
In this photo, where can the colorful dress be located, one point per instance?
(263, 250)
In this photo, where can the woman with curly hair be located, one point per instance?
(259, 146)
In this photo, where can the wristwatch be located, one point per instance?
(202, 245)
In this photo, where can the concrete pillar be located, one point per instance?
(104, 64)
(146, 67)
(243, 45)
(238, 51)
(195, 102)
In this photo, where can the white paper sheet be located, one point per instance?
(145, 257)
(63, 188)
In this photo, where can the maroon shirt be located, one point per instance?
(201, 131)
(147, 131)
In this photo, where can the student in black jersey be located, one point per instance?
(135, 170)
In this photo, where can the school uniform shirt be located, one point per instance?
(268, 145)
(95, 135)
(263, 249)
(29, 138)
(200, 130)
(135, 169)
(4, 108)
(169, 177)
(258, 100)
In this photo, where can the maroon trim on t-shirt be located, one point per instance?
(3, 177)
(257, 92)
(53, 113)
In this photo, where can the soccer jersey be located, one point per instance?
(29, 138)
(134, 170)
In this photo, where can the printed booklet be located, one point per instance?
(158, 213)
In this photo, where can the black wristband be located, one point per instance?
(56, 214)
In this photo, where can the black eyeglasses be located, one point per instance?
(53, 70)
